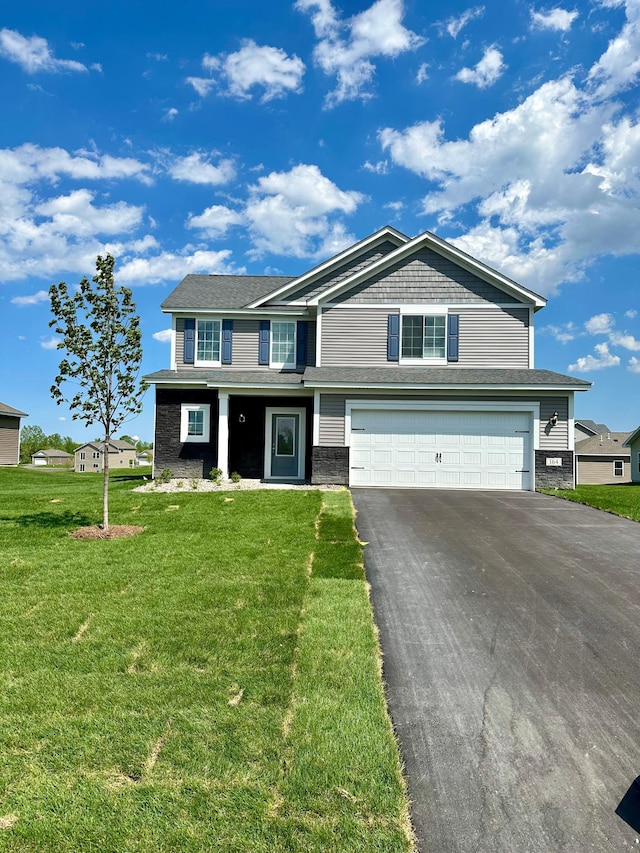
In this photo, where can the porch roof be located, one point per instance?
(225, 378)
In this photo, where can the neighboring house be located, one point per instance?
(90, 457)
(10, 434)
(633, 443)
(52, 456)
(145, 457)
(399, 362)
(602, 459)
(585, 429)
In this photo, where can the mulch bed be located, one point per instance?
(115, 531)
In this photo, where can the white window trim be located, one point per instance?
(201, 362)
(185, 408)
(302, 426)
(283, 365)
(618, 462)
(422, 311)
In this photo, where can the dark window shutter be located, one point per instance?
(263, 343)
(393, 337)
(227, 342)
(189, 340)
(302, 336)
(453, 324)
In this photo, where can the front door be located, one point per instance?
(285, 444)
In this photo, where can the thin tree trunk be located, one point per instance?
(105, 485)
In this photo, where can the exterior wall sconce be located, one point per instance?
(553, 420)
(241, 418)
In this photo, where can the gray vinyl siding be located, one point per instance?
(425, 277)
(339, 274)
(489, 337)
(599, 471)
(332, 413)
(245, 345)
(9, 440)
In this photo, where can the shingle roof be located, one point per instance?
(593, 426)
(225, 377)
(51, 452)
(9, 410)
(604, 444)
(226, 292)
(427, 376)
(115, 442)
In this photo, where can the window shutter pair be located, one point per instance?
(190, 341)
(302, 337)
(393, 337)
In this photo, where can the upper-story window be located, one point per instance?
(424, 336)
(208, 334)
(283, 344)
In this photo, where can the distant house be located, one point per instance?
(586, 429)
(10, 434)
(633, 444)
(602, 458)
(90, 457)
(52, 457)
(145, 457)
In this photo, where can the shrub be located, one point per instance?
(194, 482)
(235, 478)
(215, 475)
(166, 475)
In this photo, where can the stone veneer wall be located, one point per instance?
(330, 466)
(185, 459)
(554, 476)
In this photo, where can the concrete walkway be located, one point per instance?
(510, 626)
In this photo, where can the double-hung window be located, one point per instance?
(283, 344)
(424, 336)
(194, 422)
(618, 468)
(208, 341)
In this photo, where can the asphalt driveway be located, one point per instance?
(510, 627)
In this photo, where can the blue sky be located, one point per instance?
(264, 137)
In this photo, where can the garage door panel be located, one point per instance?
(441, 449)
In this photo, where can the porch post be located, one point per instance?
(223, 433)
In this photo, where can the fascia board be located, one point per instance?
(386, 233)
(239, 312)
(445, 250)
(632, 438)
(395, 386)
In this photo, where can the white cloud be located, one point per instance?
(486, 72)
(346, 48)
(379, 168)
(29, 162)
(197, 169)
(553, 19)
(50, 343)
(423, 73)
(619, 66)
(595, 362)
(164, 336)
(454, 25)
(619, 339)
(631, 313)
(215, 221)
(293, 213)
(32, 299)
(396, 206)
(170, 114)
(33, 54)
(563, 334)
(62, 418)
(257, 66)
(634, 365)
(169, 266)
(76, 215)
(202, 85)
(600, 324)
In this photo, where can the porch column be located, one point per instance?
(223, 433)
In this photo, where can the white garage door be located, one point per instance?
(448, 450)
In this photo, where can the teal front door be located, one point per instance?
(285, 444)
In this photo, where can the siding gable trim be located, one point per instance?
(381, 236)
(446, 250)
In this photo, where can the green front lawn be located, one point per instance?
(622, 500)
(211, 684)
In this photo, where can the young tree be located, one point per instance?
(101, 334)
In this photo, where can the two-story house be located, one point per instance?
(399, 362)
